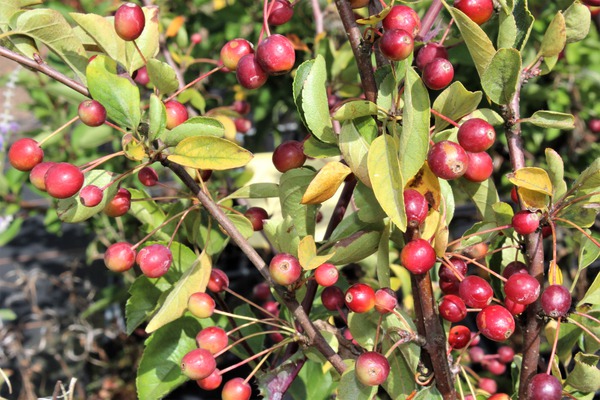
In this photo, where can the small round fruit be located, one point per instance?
(218, 281)
(154, 261)
(281, 12)
(544, 387)
(91, 195)
(249, 73)
(141, 77)
(148, 176)
(594, 123)
(499, 396)
(514, 308)
(459, 337)
(242, 125)
(256, 215)
(447, 160)
(360, 298)
(198, 364)
(488, 385)
(241, 107)
(91, 113)
(477, 354)
(211, 382)
(494, 366)
(418, 256)
(25, 154)
(285, 269)
(428, 53)
(236, 389)
(275, 54)
(496, 323)
(233, 51)
(452, 308)
(261, 291)
(289, 155)
(475, 291)
(196, 38)
(447, 273)
(212, 338)
(449, 286)
(522, 288)
(479, 11)
(396, 44)
(118, 205)
(438, 74)
(201, 305)
(514, 267)
(177, 114)
(476, 135)
(63, 180)
(385, 300)
(506, 354)
(514, 196)
(372, 368)
(556, 301)
(326, 274)
(129, 21)
(332, 298)
(402, 17)
(416, 206)
(480, 167)
(525, 222)
(37, 174)
(119, 257)
(271, 308)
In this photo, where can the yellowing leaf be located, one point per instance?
(307, 254)
(555, 276)
(174, 26)
(426, 183)
(133, 149)
(228, 125)
(374, 19)
(209, 152)
(430, 226)
(325, 183)
(193, 280)
(532, 178)
(533, 200)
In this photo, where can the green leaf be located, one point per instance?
(314, 106)
(292, 186)
(209, 152)
(282, 234)
(355, 109)
(577, 21)
(71, 210)
(403, 360)
(355, 247)
(159, 371)
(118, 95)
(85, 138)
(368, 207)
(589, 180)
(144, 300)
(455, 102)
(193, 280)
(7, 314)
(158, 117)
(386, 87)
(313, 384)
(386, 178)
(147, 212)
(414, 139)
(313, 147)
(297, 87)
(556, 172)
(480, 46)
(507, 32)
(585, 376)
(383, 258)
(351, 389)
(555, 37)
(551, 119)
(50, 28)
(254, 191)
(592, 296)
(483, 194)
(355, 138)
(194, 127)
(501, 77)
(516, 23)
(162, 76)
(588, 252)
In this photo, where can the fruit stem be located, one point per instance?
(587, 316)
(44, 140)
(93, 164)
(269, 350)
(402, 340)
(163, 224)
(442, 116)
(140, 52)
(586, 330)
(192, 83)
(554, 345)
(243, 339)
(446, 32)
(399, 315)
(566, 221)
(261, 321)
(186, 212)
(561, 206)
(253, 304)
(447, 263)
(118, 128)
(497, 275)
(255, 370)
(266, 11)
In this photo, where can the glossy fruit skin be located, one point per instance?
(476, 354)
(416, 206)
(289, 155)
(233, 51)
(522, 288)
(480, 167)
(256, 215)
(475, 291)
(141, 77)
(236, 389)
(479, 11)
(418, 256)
(556, 301)
(385, 300)
(447, 160)
(594, 123)
(332, 298)
(499, 396)
(438, 74)
(118, 205)
(514, 196)
(402, 17)
(360, 298)
(129, 21)
(452, 308)
(249, 73)
(489, 385)
(177, 114)
(544, 387)
(449, 286)
(326, 274)
(276, 54)
(213, 338)
(446, 273)
(119, 257)
(476, 135)
(525, 222)
(281, 13)
(198, 364)
(25, 154)
(372, 368)
(271, 308)
(459, 336)
(495, 323)
(396, 44)
(218, 281)
(91, 113)
(285, 269)
(91, 195)
(513, 307)
(428, 53)
(37, 174)
(63, 180)
(514, 267)
(506, 354)
(154, 261)
(211, 382)
(201, 305)
(148, 176)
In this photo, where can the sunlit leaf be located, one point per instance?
(555, 37)
(355, 138)
(209, 152)
(551, 119)
(307, 254)
(355, 109)
(585, 376)
(326, 183)
(577, 21)
(532, 178)
(195, 126)
(162, 76)
(426, 183)
(455, 102)
(158, 117)
(175, 25)
(502, 75)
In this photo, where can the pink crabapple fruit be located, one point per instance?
(372, 368)
(218, 281)
(119, 257)
(480, 167)
(514, 267)
(438, 74)
(177, 114)
(459, 336)
(256, 215)
(261, 291)
(488, 385)
(119, 204)
(418, 256)
(396, 44)
(495, 323)
(249, 73)
(289, 155)
(416, 206)
(148, 176)
(402, 17)
(475, 291)
(25, 154)
(326, 274)
(447, 160)
(525, 222)
(155, 260)
(476, 135)
(281, 12)
(479, 11)
(428, 53)
(129, 21)
(276, 54)
(447, 273)
(37, 174)
(285, 269)
(522, 288)
(91, 195)
(360, 298)
(236, 389)
(201, 305)
(452, 308)
(211, 382)
(198, 364)
(233, 51)
(494, 366)
(332, 298)
(556, 301)
(506, 354)
(212, 338)
(141, 77)
(513, 307)
(385, 300)
(544, 387)
(196, 38)
(63, 180)
(91, 113)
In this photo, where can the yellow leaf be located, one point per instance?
(554, 274)
(374, 19)
(532, 178)
(174, 26)
(229, 125)
(325, 183)
(431, 224)
(533, 200)
(219, 4)
(426, 183)
(133, 149)
(209, 152)
(307, 254)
